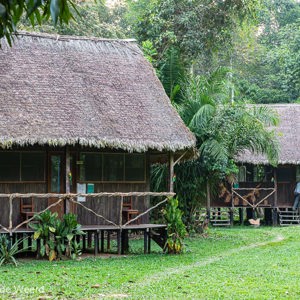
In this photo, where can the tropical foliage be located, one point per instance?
(271, 74)
(8, 251)
(12, 11)
(223, 129)
(175, 227)
(57, 238)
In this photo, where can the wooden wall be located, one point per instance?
(6, 188)
(109, 207)
(286, 181)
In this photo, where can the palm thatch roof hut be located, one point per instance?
(63, 90)
(264, 186)
(288, 135)
(83, 113)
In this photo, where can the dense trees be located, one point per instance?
(273, 72)
(258, 39)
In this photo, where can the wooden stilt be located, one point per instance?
(149, 240)
(84, 242)
(89, 239)
(241, 216)
(145, 241)
(96, 242)
(102, 241)
(119, 241)
(108, 241)
(208, 200)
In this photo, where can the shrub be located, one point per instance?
(175, 227)
(8, 251)
(57, 237)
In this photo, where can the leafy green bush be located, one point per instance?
(57, 237)
(175, 227)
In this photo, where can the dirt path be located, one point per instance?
(181, 269)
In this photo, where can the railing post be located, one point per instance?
(10, 213)
(171, 172)
(119, 233)
(67, 188)
(275, 207)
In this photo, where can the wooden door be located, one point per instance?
(286, 176)
(56, 181)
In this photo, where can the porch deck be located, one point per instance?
(95, 236)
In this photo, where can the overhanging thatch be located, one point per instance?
(288, 135)
(59, 90)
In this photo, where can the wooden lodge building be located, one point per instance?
(82, 115)
(265, 190)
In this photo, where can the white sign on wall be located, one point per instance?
(81, 189)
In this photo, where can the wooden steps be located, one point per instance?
(288, 217)
(220, 217)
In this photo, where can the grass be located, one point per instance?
(236, 263)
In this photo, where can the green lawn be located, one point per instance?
(236, 263)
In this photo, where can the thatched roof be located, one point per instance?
(288, 135)
(63, 90)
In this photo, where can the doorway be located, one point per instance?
(56, 181)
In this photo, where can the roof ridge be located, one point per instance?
(59, 37)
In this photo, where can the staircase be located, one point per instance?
(288, 217)
(220, 217)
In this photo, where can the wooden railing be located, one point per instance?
(72, 198)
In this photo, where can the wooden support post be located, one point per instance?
(145, 241)
(10, 214)
(124, 241)
(171, 171)
(68, 170)
(119, 241)
(102, 241)
(275, 206)
(89, 239)
(84, 242)
(241, 215)
(275, 216)
(120, 213)
(38, 248)
(208, 200)
(231, 216)
(96, 242)
(29, 242)
(149, 240)
(108, 241)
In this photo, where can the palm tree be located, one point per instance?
(223, 129)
